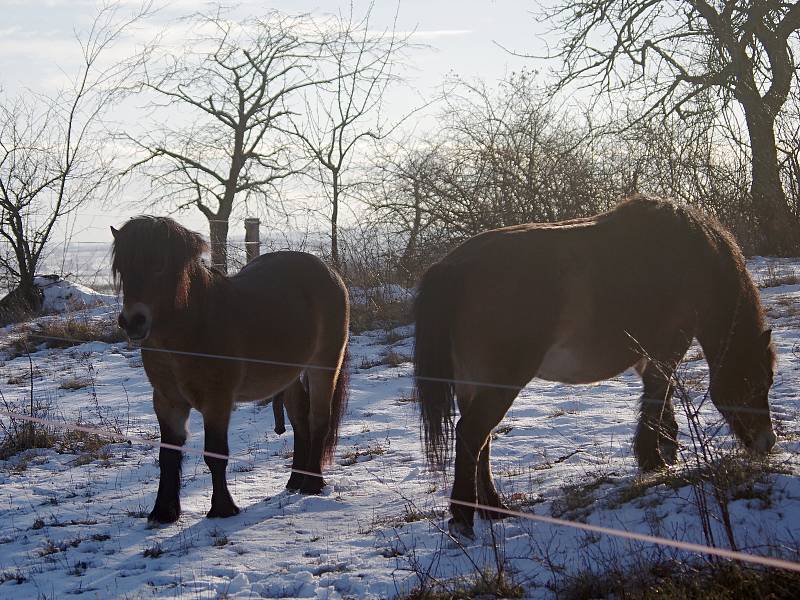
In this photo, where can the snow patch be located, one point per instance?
(62, 296)
(74, 523)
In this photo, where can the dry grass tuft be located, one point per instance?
(19, 436)
(154, 551)
(369, 452)
(75, 383)
(777, 276)
(483, 584)
(63, 332)
(677, 579)
(15, 576)
(395, 359)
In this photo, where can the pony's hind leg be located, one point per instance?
(296, 401)
(172, 417)
(215, 423)
(655, 444)
(487, 492)
(484, 412)
(321, 383)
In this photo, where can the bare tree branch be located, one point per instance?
(674, 55)
(53, 153)
(237, 88)
(360, 64)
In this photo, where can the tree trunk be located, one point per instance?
(335, 223)
(27, 295)
(778, 231)
(410, 259)
(21, 302)
(218, 229)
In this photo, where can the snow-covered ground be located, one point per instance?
(75, 524)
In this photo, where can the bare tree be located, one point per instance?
(500, 157)
(228, 94)
(398, 195)
(53, 152)
(789, 151)
(342, 114)
(704, 165)
(508, 157)
(673, 52)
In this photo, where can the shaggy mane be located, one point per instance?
(147, 244)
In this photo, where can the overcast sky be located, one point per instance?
(465, 37)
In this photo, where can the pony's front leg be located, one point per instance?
(483, 413)
(215, 422)
(172, 417)
(655, 444)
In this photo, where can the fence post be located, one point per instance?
(252, 241)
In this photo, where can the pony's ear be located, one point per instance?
(766, 337)
(114, 232)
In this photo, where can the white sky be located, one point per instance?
(37, 48)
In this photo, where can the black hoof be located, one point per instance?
(669, 452)
(462, 514)
(493, 515)
(164, 513)
(222, 510)
(312, 485)
(460, 530)
(653, 462)
(295, 482)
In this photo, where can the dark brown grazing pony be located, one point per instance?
(581, 301)
(258, 328)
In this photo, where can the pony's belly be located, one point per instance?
(257, 387)
(567, 364)
(255, 397)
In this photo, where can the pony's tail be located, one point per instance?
(338, 407)
(433, 362)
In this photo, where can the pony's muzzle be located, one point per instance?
(765, 441)
(135, 321)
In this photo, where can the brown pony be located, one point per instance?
(209, 340)
(581, 301)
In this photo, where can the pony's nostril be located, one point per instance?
(135, 325)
